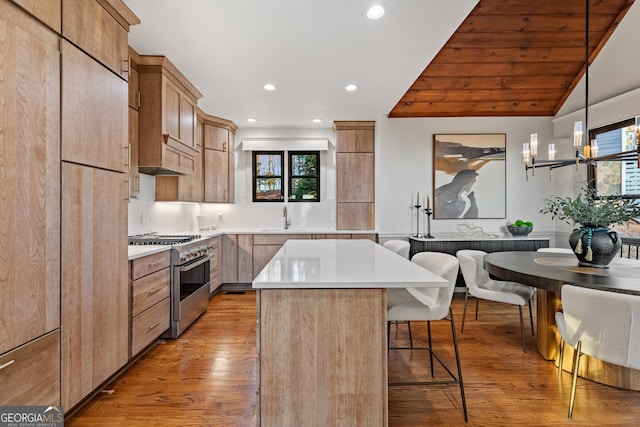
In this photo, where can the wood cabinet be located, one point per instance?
(100, 28)
(219, 160)
(93, 133)
(215, 265)
(237, 258)
(49, 12)
(265, 247)
(134, 104)
(95, 290)
(150, 304)
(30, 374)
(355, 175)
(167, 118)
(29, 181)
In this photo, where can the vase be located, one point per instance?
(595, 246)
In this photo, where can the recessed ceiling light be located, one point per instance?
(317, 120)
(375, 12)
(269, 87)
(251, 120)
(351, 87)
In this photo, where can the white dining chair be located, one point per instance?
(602, 324)
(401, 247)
(481, 286)
(429, 304)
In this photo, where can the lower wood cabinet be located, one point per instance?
(30, 374)
(94, 287)
(215, 277)
(150, 304)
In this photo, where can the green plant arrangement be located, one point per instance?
(594, 215)
(588, 210)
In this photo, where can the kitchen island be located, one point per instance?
(322, 344)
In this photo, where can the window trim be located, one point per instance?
(291, 176)
(255, 176)
(591, 168)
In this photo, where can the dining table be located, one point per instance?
(548, 272)
(322, 334)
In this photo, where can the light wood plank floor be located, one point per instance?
(207, 378)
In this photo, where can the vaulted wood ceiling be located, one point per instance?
(512, 58)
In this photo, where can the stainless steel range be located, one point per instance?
(190, 259)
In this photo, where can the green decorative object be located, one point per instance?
(520, 228)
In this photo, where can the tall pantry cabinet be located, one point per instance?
(30, 204)
(94, 283)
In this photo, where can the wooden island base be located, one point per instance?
(322, 357)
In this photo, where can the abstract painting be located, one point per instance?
(469, 176)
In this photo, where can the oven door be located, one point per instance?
(189, 280)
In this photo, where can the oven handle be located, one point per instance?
(195, 264)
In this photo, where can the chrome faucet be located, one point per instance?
(287, 221)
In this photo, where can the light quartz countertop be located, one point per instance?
(335, 263)
(144, 250)
(136, 251)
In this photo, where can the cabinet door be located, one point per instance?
(348, 167)
(29, 179)
(216, 138)
(94, 112)
(95, 289)
(88, 25)
(30, 374)
(245, 258)
(215, 176)
(134, 176)
(48, 12)
(229, 258)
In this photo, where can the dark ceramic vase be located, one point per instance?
(599, 252)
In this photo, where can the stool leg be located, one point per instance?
(531, 318)
(524, 344)
(455, 347)
(430, 347)
(464, 311)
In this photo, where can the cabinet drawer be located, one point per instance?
(214, 280)
(148, 325)
(30, 374)
(149, 290)
(148, 264)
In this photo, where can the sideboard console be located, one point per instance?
(451, 246)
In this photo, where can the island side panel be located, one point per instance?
(323, 357)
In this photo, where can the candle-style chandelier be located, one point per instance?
(587, 154)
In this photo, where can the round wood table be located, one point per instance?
(548, 271)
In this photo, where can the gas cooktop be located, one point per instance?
(161, 239)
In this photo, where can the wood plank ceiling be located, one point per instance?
(512, 58)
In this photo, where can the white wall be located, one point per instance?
(404, 166)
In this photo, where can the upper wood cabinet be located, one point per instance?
(355, 175)
(49, 11)
(29, 181)
(167, 118)
(100, 28)
(219, 160)
(93, 133)
(134, 104)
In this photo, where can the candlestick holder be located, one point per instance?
(417, 220)
(428, 212)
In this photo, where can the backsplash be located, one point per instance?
(146, 215)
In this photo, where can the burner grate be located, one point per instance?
(162, 239)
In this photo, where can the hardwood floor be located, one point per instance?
(207, 378)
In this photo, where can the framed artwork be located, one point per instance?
(267, 176)
(469, 176)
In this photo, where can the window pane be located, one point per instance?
(304, 189)
(268, 165)
(617, 177)
(304, 164)
(269, 189)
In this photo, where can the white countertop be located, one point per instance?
(144, 250)
(342, 264)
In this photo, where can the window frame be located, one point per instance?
(291, 176)
(255, 176)
(592, 168)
